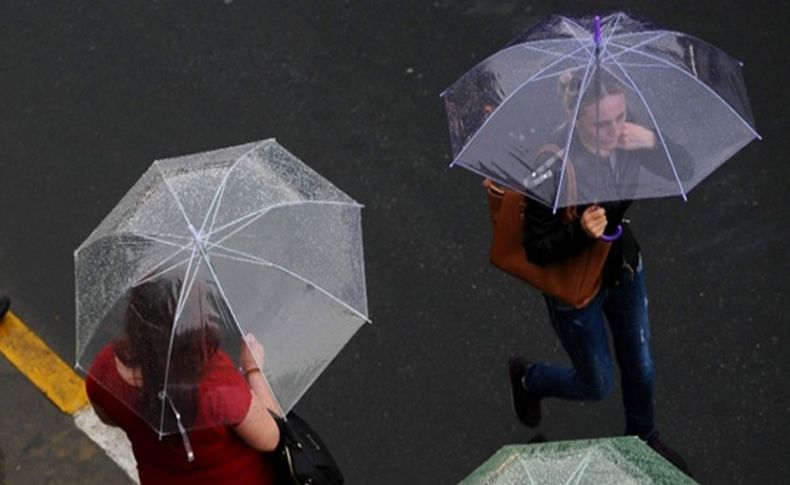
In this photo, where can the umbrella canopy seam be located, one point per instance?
(658, 131)
(249, 258)
(261, 212)
(705, 86)
(504, 101)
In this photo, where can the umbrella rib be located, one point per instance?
(504, 101)
(236, 323)
(581, 41)
(163, 396)
(214, 206)
(218, 195)
(611, 34)
(658, 130)
(526, 44)
(253, 216)
(564, 70)
(544, 51)
(146, 279)
(249, 258)
(180, 250)
(530, 43)
(175, 197)
(216, 213)
(646, 32)
(705, 86)
(157, 238)
(679, 34)
(573, 24)
(636, 64)
(150, 237)
(501, 179)
(579, 472)
(523, 464)
(632, 48)
(582, 89)
(619, 79)
(183, 299)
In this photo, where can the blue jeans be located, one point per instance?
(584, 337)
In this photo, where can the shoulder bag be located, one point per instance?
(303, 457)
(574, 280)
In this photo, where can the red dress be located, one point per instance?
(220, 454)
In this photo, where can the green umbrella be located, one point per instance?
(621, 460)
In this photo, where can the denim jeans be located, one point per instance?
(583, 335)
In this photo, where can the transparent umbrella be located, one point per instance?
(617, 461)
(242, 239)
(672, 108)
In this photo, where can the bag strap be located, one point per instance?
(569, 214)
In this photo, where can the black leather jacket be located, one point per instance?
(548, 239)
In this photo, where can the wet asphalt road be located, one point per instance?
(92, 93)
(39, 444)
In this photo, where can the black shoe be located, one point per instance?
(5, 303)
(668, 453)
(526, 404)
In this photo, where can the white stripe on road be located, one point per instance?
(112, 440)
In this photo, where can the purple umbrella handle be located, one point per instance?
(597, 33)
(614, 237)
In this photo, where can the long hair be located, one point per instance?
(150, 338)
(570, 85)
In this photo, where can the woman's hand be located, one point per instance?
(251, 353)
(635, 137)
(593, 221)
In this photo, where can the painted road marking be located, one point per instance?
(112, 440)
(58, 381)
(41, 365)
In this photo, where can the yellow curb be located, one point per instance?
(42, 366)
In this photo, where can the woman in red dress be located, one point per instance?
(226, 411)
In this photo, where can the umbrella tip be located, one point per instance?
(597, 32)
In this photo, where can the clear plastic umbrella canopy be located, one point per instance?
(243, 239)
(625, 460)
(592, 88)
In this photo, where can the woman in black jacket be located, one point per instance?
(607, 153)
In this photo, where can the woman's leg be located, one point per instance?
(584, 337)
(626, 310)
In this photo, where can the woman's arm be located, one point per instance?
(548, 240)
(652, 154)
(258, 429)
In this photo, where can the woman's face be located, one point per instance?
(611, 119)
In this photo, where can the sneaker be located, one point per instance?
(668, 453)
(5, 302)
(526, 404)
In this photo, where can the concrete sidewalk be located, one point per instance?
(41, 444)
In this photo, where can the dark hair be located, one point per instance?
(148, 321)
(601, 86)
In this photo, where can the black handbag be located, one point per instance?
(303, 456)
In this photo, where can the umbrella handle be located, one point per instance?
(614, 237)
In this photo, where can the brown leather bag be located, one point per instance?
(574, 280)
